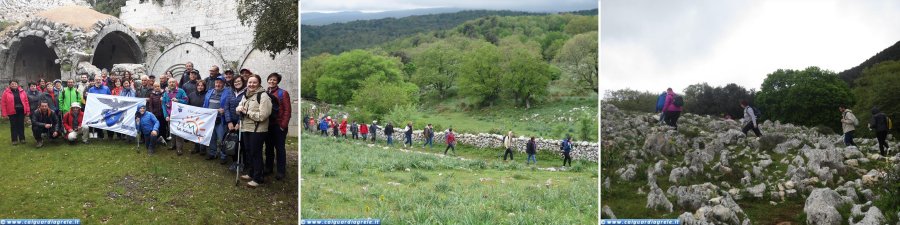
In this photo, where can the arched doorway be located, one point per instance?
(116, 47)
(34, 60)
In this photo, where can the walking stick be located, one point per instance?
(240, 163)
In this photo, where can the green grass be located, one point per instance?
(350, 180)
(108, 182)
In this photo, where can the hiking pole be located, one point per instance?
(240, 163)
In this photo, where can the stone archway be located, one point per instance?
(31, 59)
(115, 44)
(184, 50)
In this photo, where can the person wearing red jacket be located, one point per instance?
(343, 128)
(14, 105)
(451, 141)
(278, 129)
(364, 131)
(72, 124)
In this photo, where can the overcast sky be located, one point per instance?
(650, 45)
(391, 5)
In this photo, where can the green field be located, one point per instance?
(349, 179)
(107, 182)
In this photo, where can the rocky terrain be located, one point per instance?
(709, 172)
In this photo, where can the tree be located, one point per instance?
(551, 44)
(480, 76)
(276, 23)
(311, 70)
(377, 96)
(715, 101)
(437, 68)
(631, 100)
(526, 75)
(807, 97)
(875, 88)
(345, 73)
(578, 58)
(581, 24)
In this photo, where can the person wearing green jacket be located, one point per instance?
(68, 95)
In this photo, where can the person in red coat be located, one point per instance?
(343, 128)
(363, 131)
(72, 124)
(14, 105)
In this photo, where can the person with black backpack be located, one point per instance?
(428, 134)
(672, 108)
(566, 147)
(407, 132)
(255, 108)
(879, 123)
(751, 118)
(373, 129)
(389, 132)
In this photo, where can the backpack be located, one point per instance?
(230, 143)
(756, 113)
(678, 101)
(273, 117)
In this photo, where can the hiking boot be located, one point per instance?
(245, 177)
(39, 144)
(14, 143)
(179, 152)
(252, 184)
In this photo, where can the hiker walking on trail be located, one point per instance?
(880, 123)
(672, 108)
(364, 131)
(408, 135)
(323, 128)
(335, 128)
(389, 132)
(373, 129)
(451, 141)
(848, 125)
(531, 149)
(507, 142)
(660, 104)
(750, 119)
(354, 130)
(566, 147)
(429, 136)
(343, 127)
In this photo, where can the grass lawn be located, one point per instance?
(349, 179)
(107, 182)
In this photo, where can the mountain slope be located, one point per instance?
(890, 53)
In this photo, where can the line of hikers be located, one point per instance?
(326, 127)
(669, 106)
(259, 115)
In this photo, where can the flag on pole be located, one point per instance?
(112, 113)
(192, 123)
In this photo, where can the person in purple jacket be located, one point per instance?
(672, 108)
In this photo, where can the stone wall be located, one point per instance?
(581, 150)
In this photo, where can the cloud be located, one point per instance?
(648, 46)
(391, 5)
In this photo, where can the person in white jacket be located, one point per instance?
(848, 125)
(750, 122)
(507, 142)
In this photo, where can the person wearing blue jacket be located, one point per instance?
(213, 100)
(170, 96)
(323, 127)
(149, 128)
(98, 88)
(231, 99)
(567, 148)
(660, 103)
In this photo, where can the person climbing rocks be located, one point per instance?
(660, 104)
(848, 125)
(880, 124)
(672, 108)
(750, 119)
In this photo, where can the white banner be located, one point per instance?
(113, 113)
(192, 123)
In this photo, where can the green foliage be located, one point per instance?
(631, 100)
(109, 7)
(582, 24)
(578, 59)
(479, 78)
(339, 37)
(716, 101)
(876, 88)
(551, 43)
(275, 23)
(889, 201)
(345, 73)
(437, 68)
(526, 76)
(311, 70)
(376, 98)
(402, 114)
(807, 97)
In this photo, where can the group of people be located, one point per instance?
(669, 105)
(259, 115)
(326, 126)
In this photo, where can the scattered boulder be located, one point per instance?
(821, 207)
